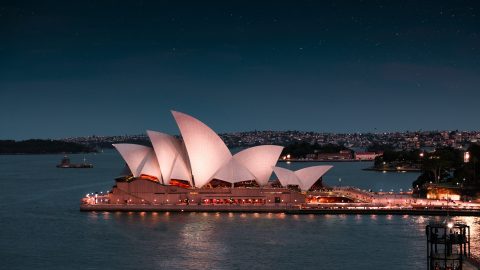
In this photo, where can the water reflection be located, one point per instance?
(93, 216)
(202, 232)
(358, 218)
(197, 246)
(207, 241)
(194, 240)
(106, 215)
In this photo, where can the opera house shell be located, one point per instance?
(188, 169)
(303, 178)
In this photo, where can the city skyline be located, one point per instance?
(72, 69)
(399, 140)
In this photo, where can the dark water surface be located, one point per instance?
(42, 228)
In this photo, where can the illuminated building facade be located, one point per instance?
(200, 169)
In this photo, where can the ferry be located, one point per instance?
(65, 163)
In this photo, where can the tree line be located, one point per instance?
(301, 149)
(37, 146)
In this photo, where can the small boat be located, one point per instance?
(65, 163)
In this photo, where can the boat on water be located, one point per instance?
(65, 163)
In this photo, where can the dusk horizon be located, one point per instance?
(229, 127)
(177, 133)
(326, 67)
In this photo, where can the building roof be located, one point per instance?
(304, 178)
(308, 176)
(203, 156)
(171, 155)
(140, 159)
(259, 160)
(234, 172)
(286, 177)
(206, 150)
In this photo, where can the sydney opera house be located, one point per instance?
(199, 169)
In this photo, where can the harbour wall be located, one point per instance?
(276, 209)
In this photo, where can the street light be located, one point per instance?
(466, 157)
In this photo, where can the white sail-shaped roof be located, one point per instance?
(308, 176)
(150, 166)
(259, 160)
(171, 156)
(234, 172)
(140, 159)
(181, 171)
(286, 176)
(304, 178)
(207, 152)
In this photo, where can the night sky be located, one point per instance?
(75, 68)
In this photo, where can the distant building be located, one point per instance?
(366, 155)
(344, 154)
(437, 192)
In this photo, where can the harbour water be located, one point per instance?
(42, 228)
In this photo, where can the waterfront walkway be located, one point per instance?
(352, 209)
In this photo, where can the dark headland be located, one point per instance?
(35, 146)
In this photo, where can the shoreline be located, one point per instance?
(289, 210)
(373, 169)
